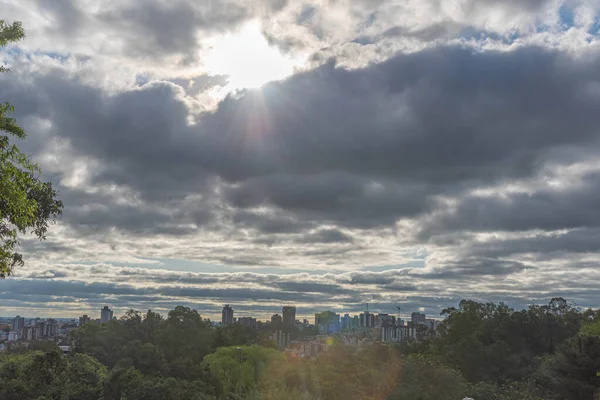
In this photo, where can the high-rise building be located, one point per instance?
(106, 314)
(289, 315)
(385, 320)
(28, 333)
(276, 319)
(84, 319)
(18, 323)
(431, 323)
(227, 315)
(327, 322)
(345, 322)
(367, 320)
(41, 329)
(281, 338)
(417, 319)
(247, 321)
(13, 336)
(52, 327)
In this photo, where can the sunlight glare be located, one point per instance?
(246, 57)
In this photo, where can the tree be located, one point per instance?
(572, 373)
(83, 378)
(426, 378)
(27, 204)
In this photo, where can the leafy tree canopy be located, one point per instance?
(27, 204)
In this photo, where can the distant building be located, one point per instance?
(366, 320)
(276, 319)
(40, 330)
(417, 319)
(385, 320)
(18, 323)
(227, 315)
(431, 323)
(52, 327)
(327, 322)
(346, 322)
(106, 314)
(281, 338)
(289, 315)
(68, 327)
(247, 321)
(28, 333)
(398, 334)
(84, 319)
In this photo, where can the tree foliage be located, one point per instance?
(35, 375)
(483, 351)
(27, 204)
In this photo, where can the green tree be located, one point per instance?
(572, 373)
(425, 378)
(27, 204)
(241, 371)
(83, 378)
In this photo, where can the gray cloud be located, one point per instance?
(404, 131)
(332, 169)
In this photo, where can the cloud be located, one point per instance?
(452, 148)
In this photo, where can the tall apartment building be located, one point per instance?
(346, 322)
(28, 333)
(417, 319)
(18, 323)
(52, 327)
(106, 314)
(281, 338)
(367, 320)
(40, 330)
(247, 321)
(227, 315)
(327, 322)
(84, 319)
(276, 319)
(289, 315)
(431, 323)
(385, 320)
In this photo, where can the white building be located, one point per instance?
(398, 334)
(13, 336)
(106, 314)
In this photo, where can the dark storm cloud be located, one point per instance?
(582, 240)
(547, 209)
(404, 131)
(270, 222)
(104, 291)
(472, 267)
(313, 287)
(150, 29)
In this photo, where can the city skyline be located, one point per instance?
(217, 317)
(304, 152)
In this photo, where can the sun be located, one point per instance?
(246, 57)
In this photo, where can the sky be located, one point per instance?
(318, 153)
